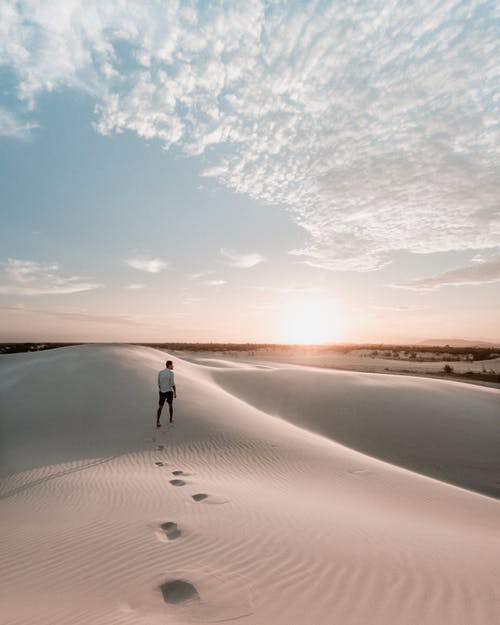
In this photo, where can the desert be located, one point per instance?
(255, 505)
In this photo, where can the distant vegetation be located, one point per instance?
(215, 347)
(16, 348)
(424, 354)
(378, 350)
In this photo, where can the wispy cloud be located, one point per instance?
(135, 286)
(188, 298)
(147, 263)
(28, 277)
(215, 282)
(75, 315)
(199, 274)
(12, 126)
(243, 261)
(292, 289)
(375, 124)
(398, 308)
(486, 271)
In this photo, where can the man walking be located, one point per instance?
(166, 386)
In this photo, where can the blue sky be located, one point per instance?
(198, 171)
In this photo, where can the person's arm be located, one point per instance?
(175, 392)
(159, 381)
(173, 385)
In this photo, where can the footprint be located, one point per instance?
(159, 464)
(199, 496)
(179, 473)
(178, 591)
(171, 530)
(178, 482)
(160, 447)
(209, 498)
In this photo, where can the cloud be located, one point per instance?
(146, 263)
(27, 277)
(188, 298)
(243, 261)
(292, 289)
(398, 308)
(199, 274)
(215, 282)
(76, 315)
(484, 272)
(135, 286)
(11, 126)
(375, 125)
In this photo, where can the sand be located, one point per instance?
(281, 495)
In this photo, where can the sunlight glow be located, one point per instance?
(310, 322)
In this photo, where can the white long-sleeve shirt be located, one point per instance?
(166, 380)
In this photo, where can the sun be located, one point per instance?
(309, 322)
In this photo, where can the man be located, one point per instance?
(166, 386)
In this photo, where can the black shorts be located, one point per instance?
(169, 396)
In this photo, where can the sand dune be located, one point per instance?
(421, 425)
(234, 513)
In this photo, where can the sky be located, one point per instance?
(249, 171)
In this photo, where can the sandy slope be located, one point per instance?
(268, 523)
(407, 421)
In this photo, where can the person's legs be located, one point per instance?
(160, 407)
(170, 400)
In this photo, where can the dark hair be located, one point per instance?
(169, 362)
